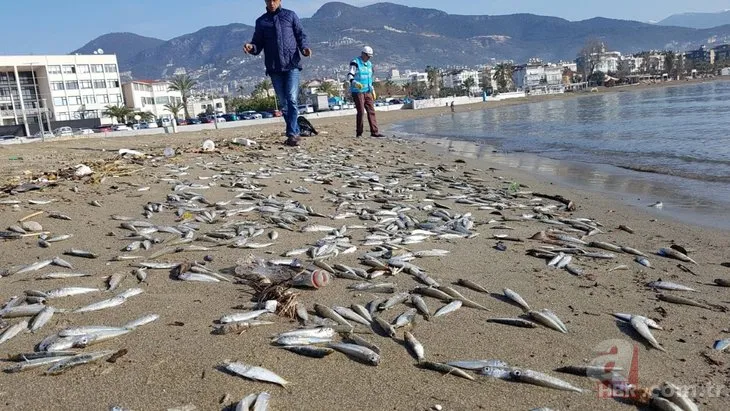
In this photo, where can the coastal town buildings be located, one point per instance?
(57, 89)
(701, 55)
(152, 96)
(457, 79)
(538, 75)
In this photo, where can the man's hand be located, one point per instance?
(248, 48)
(375, 96)
(307, 52)
(357, 85)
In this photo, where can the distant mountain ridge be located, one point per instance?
(124, 45)
(698, 20)
(406, 38)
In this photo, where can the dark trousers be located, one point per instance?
(364, 103)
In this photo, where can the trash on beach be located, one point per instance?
(83, 170)
(133, 153)
(208, 146)
(244, 142)
(169, 152)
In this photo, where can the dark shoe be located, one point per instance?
(292, 142)
(377, 135)
(359, 135)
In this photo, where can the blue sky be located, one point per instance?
(58, 27)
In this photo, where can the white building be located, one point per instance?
(197, 107)
(152, 96)
(608, 61)
(535, 74)
(61, 88)
(456, 79)
(415, 77)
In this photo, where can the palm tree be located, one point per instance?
(329, 88)
(184, 84)
(175, 108)
(262, 89)
(503, 76)
(118, 112)
(144, 116)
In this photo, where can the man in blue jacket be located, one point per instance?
(280, 36)
(363, 93)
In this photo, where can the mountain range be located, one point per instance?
(402, 37)
(697, 20)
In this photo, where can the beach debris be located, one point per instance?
(721, 345)
(13, 330)
(668, 285)
(672, 253)
(639, 324)
(82, 170)
(658, 205)
(208, 146)
(78, 360)
(722, 282)
(517, 299)
(675, 299)
(541, 379)
(357, 352)
(446, 369)
(414, 345)
(517, 322)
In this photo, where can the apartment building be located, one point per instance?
(56, 89)
(536, 74)
(457, 78)
(152, 97)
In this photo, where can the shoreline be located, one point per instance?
(172, 362)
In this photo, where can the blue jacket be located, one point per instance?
(280, 36)
(363, 74)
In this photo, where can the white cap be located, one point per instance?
(367, 50)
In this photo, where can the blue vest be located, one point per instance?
(363, 76)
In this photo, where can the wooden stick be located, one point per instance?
(30, 216)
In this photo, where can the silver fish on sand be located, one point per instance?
(13, 330)
(517, 299)
(358, 352)
(446, 369)
(309, 350)
(77, 360)
(254, 373)
(448, 308)
(543, 380)
(640, 326)
(41, 319)
(667, 285)
(415, 346)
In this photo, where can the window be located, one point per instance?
(54, 69)
(74, 100)
(112, 83)
(102, 98)
(76, 115)
(114, 98)
(89, 100)
(60, 101)
(97, 68)
(82, 68)
(62, 116)
(72, 85)
(68, 69)
(110, 68)
(85, 83)
(57, 85)
(162, 100)
(99, 84)
(92, 114)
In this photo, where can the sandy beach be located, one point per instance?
(173, 361)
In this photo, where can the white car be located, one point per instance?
(150, 124)
(46, 134)
(63, 131)
(85, 131)
(120, 127)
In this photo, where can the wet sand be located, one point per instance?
(172, 362)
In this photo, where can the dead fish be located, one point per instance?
(309, 350)
(384, 326)
(41, 319)
(513, 296)
(77, 360)
(446, 369)
(458, 296)
(627, 317)
(605, 246)
(350, 314)
(13, 330)
(239, 327)
(356, 339)
(643, 261)
(80, 253)
(362, 354)
(394, 300)
(667, 285)
(114, 281)
(671, 253)
(415, 346)
(675, 299)
(254, 373)
(543, 380)
(643, 329)
(517, 322)
(586, 370)
(626, 228)
(448, 308)
(421, 306)
(472, 285)
(433, 292)
(722, 282)
(678, 397)
(545, 318)
(619, 267)
(327, 312)
(405, 318)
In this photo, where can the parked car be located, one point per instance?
(305, 108)
(396, 101)
(192, 121)
(230, 117)
(216, 119)
(103, 129)
(266, 114)
(145, 125)
(276, 113)
(63, 131)
(250, 115)
(120, 127)
(335, 107)
(46, 134)
(8, 137)
(83, 131)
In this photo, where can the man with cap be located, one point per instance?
(363, 93)
(280, 36)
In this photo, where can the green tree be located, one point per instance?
(184, 84)
(468, 84)
(145, 116)
(262, 89)
(434, 79)
(503, 76)
(670, 63)
(624, 70)
(597, 78)
(175, 108)
(329, 88)
(119, 113)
